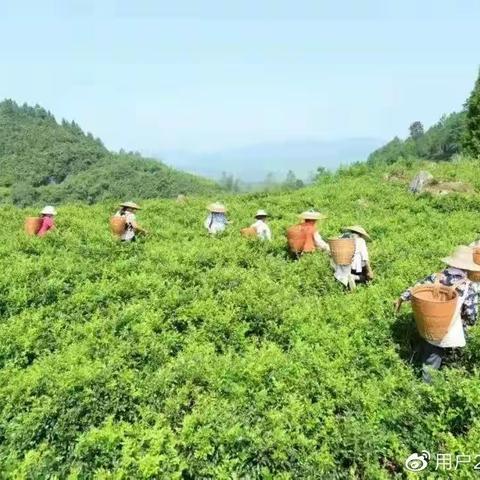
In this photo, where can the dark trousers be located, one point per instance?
(432, 358)
(362, 276)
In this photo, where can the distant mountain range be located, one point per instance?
(253, 163)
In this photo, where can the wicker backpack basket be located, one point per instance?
(342, 250)
(249, 232)
(117, 225)
(433, 309)
(475, 276)
(300, 238)
(32, 225)
(476, 255)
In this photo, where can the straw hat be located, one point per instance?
(312, 215)
(462, 258)
(130, 205)
(357, 229)
(48, 210)
(217, 207)
(261, 213)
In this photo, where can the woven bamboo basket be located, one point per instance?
(249, 232)
(474, 276)
(296, 238)
(32, 225)
(117, 225)
(342, 250)
(433, 309)
(476, 255)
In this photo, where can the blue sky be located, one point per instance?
(207, 75)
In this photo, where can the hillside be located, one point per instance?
(440, 142)
(42, 161)
(183, 356)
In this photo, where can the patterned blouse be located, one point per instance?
(451, 276)
(216, 222)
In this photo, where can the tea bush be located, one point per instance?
(185, 356)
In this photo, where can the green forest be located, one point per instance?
(452, 135)
(42, 161)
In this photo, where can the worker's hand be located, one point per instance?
(398, 305)
(139, 229)
(370, 274)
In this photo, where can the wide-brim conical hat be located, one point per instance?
(357, 229)
(261, 213)
(462, 258)
(130, 205)
(217, 208)
(312, 216)
(48, 210)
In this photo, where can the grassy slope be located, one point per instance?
(206, 357)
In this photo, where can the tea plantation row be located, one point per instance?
(185, 356)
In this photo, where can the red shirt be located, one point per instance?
(47, 224)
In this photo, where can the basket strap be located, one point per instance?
(437, 285)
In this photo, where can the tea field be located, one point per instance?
(186, 357)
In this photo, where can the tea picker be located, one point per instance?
(350, 259)
(260, 228)
(304, 237)
(216, 221)
(443, 305)
(124, 222)
(40, 226)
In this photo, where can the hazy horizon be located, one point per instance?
(252, 163)
(159, 78)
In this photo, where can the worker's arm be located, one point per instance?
(138, 228)
(406, 296)
(369, 270)
(398, 304)
(320, 243)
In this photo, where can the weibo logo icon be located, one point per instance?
(417, 462)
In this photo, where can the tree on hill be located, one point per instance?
(416, 130)
(292, 182)
(45, 161)
(389, 153)
(439, 142)
(229, 182)
(471, 137)
(320, 174)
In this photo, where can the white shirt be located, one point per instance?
(455, 336)
(130, 220)
(360, 259)
(215, 222)
(263, 230)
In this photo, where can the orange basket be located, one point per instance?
(433, 309)
(32, 225)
